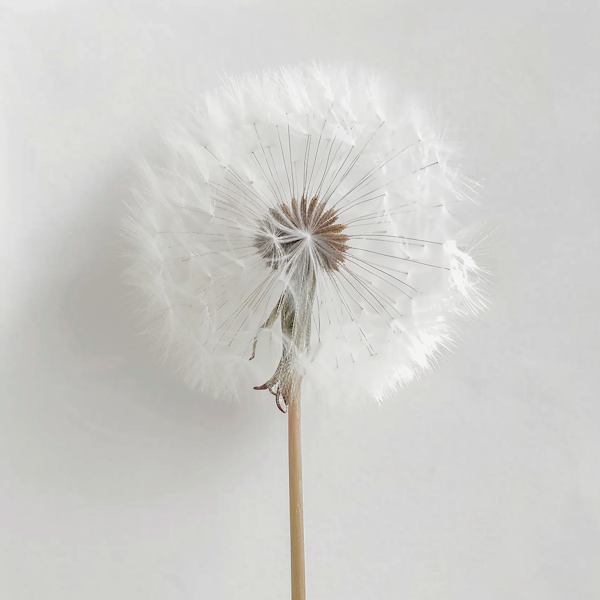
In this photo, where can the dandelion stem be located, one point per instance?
(296, 498)
(294, 308)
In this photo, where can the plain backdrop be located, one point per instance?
(481, 482)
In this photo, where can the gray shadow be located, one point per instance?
(89, 410)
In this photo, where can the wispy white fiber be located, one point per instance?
(220, 235)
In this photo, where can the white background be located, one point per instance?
(116, 481)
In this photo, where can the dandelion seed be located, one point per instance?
(291, 215)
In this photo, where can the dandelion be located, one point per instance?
(296, 233)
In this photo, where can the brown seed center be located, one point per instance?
(302, 231)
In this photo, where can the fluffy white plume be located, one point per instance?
(297, 190)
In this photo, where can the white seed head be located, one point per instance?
(288, 194)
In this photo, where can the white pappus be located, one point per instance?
(292, 213)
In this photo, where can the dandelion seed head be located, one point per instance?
(294, 208)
